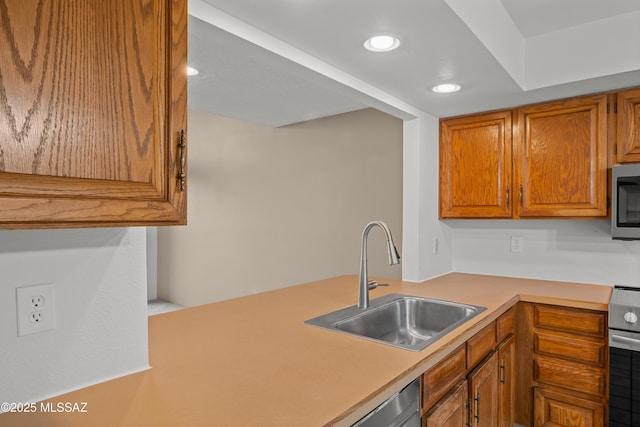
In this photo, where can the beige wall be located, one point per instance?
(270, 208)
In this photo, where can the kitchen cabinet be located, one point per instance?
(475, 166)
(506, 382)
(450, 411)
(540, 161)
(483, 391)
(485, 368)
(560, 158)
(628, 126)
(93, 113)
(567, 373)
(558, 409)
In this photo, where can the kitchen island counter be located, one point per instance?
(252, 361)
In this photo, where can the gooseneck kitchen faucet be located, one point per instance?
(394, 258)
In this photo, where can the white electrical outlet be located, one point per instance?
(517, 243)
(35, 308)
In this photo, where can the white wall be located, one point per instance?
(270, 208)
(99, 279)
(565, 250)
(420, 203)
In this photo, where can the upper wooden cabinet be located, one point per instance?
(558, 152)
(475, 166)
(628, 128)
(92, 107)
(561, 159)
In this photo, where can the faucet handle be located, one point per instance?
(373, 284)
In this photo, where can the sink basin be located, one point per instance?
(400, 320)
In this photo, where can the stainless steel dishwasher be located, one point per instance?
(400, 410)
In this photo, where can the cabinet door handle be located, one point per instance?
(521, 197)
(503, 374)
(469, 413)
(508, 198)
(182, 145)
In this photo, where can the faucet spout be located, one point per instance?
(394, 258)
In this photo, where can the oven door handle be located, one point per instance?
(626, 340)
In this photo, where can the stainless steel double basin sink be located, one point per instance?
(400, 320)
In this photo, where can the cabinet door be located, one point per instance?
(561, 410)
(475, 166)
(441, 378)
(506, 384)
(451, 411)
(628, 129)
(483, 390)
(92, 104)
(560, 153)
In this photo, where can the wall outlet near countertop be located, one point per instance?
(35, 309)
(517, 243)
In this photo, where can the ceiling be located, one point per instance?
(277, 62)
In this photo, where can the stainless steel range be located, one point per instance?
(624, 357)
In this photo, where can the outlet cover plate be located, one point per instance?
(517, 243)
(35, 309)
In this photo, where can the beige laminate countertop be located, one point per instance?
(252, 361)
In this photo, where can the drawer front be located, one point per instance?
(557, 409)
(481, 344)
(439, 380)
(505, 325)
(572, 376)
(583, 322)
(568, 348)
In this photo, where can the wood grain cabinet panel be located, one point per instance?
(572, 376)
(475, 166)
(92, 105)
(484, 394)
(560, 158)
(437, 381)
(451, 411)
(569, 348)
(560, 410)
(628, 126)
(490, 375)
(570, 373)
(547, 160)
(506, 382)
(506, 325)
(481, 344)
(577, 321)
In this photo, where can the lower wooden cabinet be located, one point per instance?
(506, 382)
(484, 396)
(474, 385)
(451, 411)
(552, 408)
(553, 375)
(563, 375)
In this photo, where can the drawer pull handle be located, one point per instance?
(182, 145)
(627, 340)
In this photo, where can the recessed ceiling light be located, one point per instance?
(192, 71)
(382, 43)
(446, 88)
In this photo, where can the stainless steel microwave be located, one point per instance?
(625, 202)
